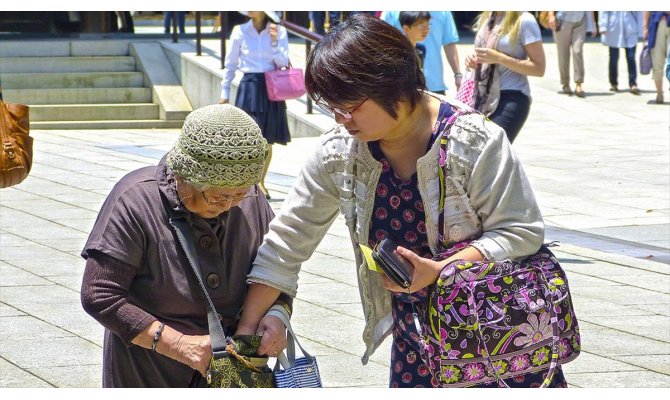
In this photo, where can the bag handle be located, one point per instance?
(288, 360)
(278, 68)
(183, 231)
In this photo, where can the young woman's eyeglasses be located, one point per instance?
(223, 199)
(346, 114)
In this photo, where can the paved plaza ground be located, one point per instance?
(600, 167)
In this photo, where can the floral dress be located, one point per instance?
(399, 215)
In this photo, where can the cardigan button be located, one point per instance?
(213, 280)
(206, 242)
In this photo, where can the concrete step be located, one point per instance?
(51, 80)
(63, 48)
(119, 124)
(93, 112)
(78, 96)
(67, 64)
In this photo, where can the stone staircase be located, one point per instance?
(92, 84)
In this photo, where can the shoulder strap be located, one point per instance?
(444, 164)
(183, 230)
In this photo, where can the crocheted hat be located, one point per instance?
(220, 145)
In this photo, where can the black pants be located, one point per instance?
(512, 112)
(630, 60)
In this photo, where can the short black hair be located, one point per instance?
(364, 57)
(409, 18)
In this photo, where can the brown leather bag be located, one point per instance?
(16, 153)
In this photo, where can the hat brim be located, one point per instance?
(273, 15)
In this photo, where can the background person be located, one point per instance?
(656, 31)
(138, 282)
(443, 35)
(569, 29)
(518, 53)
(621, 29)
(378, 166)
(257, 46)
(416, 25)
(169, 16)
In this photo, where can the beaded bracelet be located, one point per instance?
(157, 335)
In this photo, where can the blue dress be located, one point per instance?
(399, 215)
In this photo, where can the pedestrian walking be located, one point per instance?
(138, 282)
(378, 167)
(416, 25)
(257, 46)
(170, 16)
(569, 29)
(509, 48)
(621, 29)
(443, 35)
(656, 32)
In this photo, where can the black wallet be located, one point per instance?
(395, 266)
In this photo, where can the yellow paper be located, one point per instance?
(367, 253)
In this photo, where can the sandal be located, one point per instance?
(634, 90)
(567, 90)
(659, 98)
(579, 92)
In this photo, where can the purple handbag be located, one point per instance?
(645, 61)
(487, 321)
(285, 84)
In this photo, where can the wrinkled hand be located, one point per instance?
(487, 56)
(273, 331)
(471, 61)
(194, 351)
(273, 32)
(426, 272)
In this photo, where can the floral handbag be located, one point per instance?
(487, 321)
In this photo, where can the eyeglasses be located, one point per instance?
(221, 199)
(332, 110)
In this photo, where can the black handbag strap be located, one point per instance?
(183, 231)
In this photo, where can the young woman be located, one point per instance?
(511, 42)
(379, 166)
(257, 46)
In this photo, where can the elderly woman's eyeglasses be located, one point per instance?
(346, 114)
(219, 199)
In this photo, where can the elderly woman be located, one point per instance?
(138, 283)
(379, 167)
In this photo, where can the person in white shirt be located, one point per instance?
(257, 46)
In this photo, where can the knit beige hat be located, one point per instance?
(220, 145)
